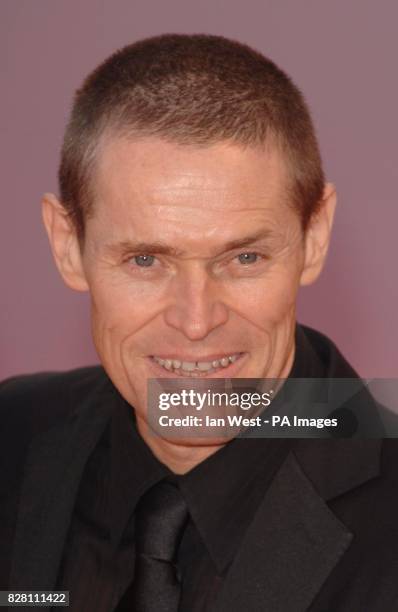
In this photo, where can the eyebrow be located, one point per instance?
(160, 248)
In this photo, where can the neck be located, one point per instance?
(180, 455)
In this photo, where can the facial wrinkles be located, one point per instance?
(197, 239)
(166, 175)
(116, 336)
(285, 244)
(116, 324)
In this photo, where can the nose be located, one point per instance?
(196, 307)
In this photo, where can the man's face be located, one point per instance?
(193, 259)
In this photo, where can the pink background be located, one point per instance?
(343, 55)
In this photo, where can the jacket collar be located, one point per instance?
(289, 550)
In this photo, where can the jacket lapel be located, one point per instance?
(53, 471)
(295, 540)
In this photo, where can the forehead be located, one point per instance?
(150, 185)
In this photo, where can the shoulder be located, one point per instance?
(326, 351)
(30, 405)
(36, 402)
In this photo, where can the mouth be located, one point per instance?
(224, 365)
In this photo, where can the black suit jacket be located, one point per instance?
(324, 539)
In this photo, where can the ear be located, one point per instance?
(64, 243)
(317, 237)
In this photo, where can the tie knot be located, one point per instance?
(160, 518)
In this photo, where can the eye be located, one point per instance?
(248, 258)
(143, 261)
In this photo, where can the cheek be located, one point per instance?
(117, 314)
(271, 301)
(121, 300)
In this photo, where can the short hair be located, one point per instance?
(196, 90)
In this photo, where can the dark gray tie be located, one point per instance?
(160, 519)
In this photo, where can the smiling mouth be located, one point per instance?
(181, 367)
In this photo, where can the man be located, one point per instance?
(192, 207)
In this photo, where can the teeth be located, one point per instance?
(190, 366)
(203, 366)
